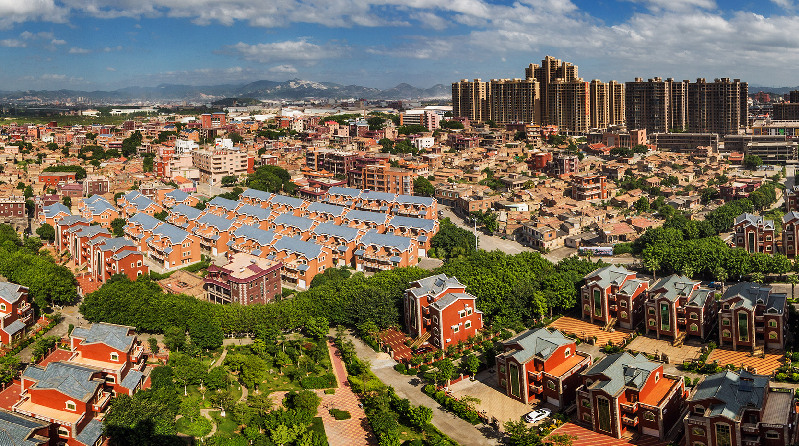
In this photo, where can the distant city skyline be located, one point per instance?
(104, 44)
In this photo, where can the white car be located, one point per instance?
(537, 415)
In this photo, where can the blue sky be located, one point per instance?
(106, 44)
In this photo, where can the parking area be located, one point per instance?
(586, 437)
(495, 403)
(676, 355)
(585, 330)
(763, 366)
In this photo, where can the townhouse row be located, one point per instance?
(748, 315)
(65, 401)
(624, 394)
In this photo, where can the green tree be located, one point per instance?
(28, 192)
(642, 204)
(46, 232)
(229, 180)
(423, 187)
(161, 215)
(752, 162)
(452, 241)
(445, 370)
(206, 334)
(471, 364)
(217, 378)
(175, 338)
(118, 227)
(317, 327)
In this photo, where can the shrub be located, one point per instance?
(318, 382)
(401, 368)
(340, 414)
(330, 391)
(429, 389)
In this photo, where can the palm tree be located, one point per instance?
(793, 279)
(652, 264)
(721, 275)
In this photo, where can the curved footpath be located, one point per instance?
(410, 387)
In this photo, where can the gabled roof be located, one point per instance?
(177, 194)
(378, 196)
(736, 391)
(752, 294)
(254, 211)
(224, 203)
(114, 336)
(54, 209)
(255, 234)
(189, 212)
(91, 432)
(424, 224)
(72, 380)
(213, 220)
(414, 199)
(115, 243)
(451, 298)
(793, 215)
(18, 430)
(72, 219)
(256, 194)
(673, 287)
(90, 231)
(171, 232)
(755, 220)
(622, 370)
(372, 217)
(146, 221)
(345, 191)
(309, 250)
(289, 219)
(11, 292)
(287, 201)
(345, 232)
(372, 237)
(609, 275)
(325, 208)
(434, 285)
(536, 342)
(142, 202)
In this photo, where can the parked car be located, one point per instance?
(537, 415)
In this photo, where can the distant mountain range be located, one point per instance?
(754, 88)
(295, 89)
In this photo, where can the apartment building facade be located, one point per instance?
(754, 233)
(752, 316)
(677, 306)
(614, 295)
(245, 279)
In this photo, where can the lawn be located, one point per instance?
(318, 427)
(224, 425)
(199, 428)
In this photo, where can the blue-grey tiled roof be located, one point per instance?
(732, 390)
(291, 202)
(100, 206)
(374, 217)
(189, 212)
(309, 250)
(213, 220)
(378, 196)
(178, 195)
(434, 285)
(255, 234)
(90, 231)
(290, 220)
(171, 232)
(344, 191)
(71, 219)
(10, 292)
(414, 199)
(325, 208)
(123, 254)
(18, 430)
(344, 232)
(132, 379)
(14, 327)
(539, 341)
(54, 209)
(146, 221)
(115, 243)
(424, 224)
(141, 203)
(224, 203)
(72, 380)
(90, 433)
(372, 237)
(131, 195)
(114, 336)
(254, 211)
(622, 370)
(752, 294)
(256, 194)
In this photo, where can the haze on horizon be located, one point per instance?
(107, 44)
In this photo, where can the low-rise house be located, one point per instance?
(677, 306)
(251, 240)
(116, 256)
(66, 225)
(19, 429)
(753, 316)
(539, 365)
(740, 408)
(420, 229)
(245, 279)
(53, 214)
(176, 197)
(16, 313)
(141, 204)
(366, 220)
(115, 351)
(99, 210)
(790, 234)
(343, 196)
(302, 260)
(612, 296)
(249, 214)
(221, 207)
(342, 240)
(289, 225)
(438, 309)
(282, 204)
(626, 394)
(376, 201)
(415, 206)
(140, 227)
(255, 197)
(182, 215)
(753, 233)
(377, 252)
(541, 236)
(79, 238)
(212, 231)
(324, 212)
(173, 247)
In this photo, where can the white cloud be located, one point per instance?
(16, 11)
(290, 50)
(283, 69)
(12, 43)
(677, 5)
(78, 50)
(110, 69)
(58, 42)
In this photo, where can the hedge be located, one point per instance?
(318, 382)
(454, 405)
(340, 414)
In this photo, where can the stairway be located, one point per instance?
(420, 340)
(678, 341)
(759, 351)
(611, 323)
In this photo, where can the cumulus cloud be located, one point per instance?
(15, 11)
(283, 69)
(78, 50)
(290, 50)
(12, 43)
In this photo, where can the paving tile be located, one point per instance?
(585, 329)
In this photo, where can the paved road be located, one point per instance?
(410, 387)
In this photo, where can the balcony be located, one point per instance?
(102, 402)
(760, 318)
(137, 352)
(535, 376)
(629, 421)
(426, 321)
(680, 310)
(629, 407)
(750, 428)
(759, 329)
(681, 320)
(23, 308)
(613, 307)
(611, 298)
(536, 389)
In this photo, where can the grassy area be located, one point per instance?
(224, 425)
(275, 382)
(318, 427)
(198, 428)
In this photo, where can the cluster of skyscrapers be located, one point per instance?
(552, 93)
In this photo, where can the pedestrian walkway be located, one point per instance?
(586, 437)
(396, 342)
(585, 330)
(743, 358)
(355, 430)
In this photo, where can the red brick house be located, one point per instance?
(113, 349)
(140, 227)
(414, 206)
(251, 240)
(245, 280)
(753, 233)
(753, 316)
(677, 306)
(79, 239)
(790, 234)
(66, 225)
(16, 313)
(613, 296)
(740, 408)
(439, 309)
(173, 247)
(53, 214)
(116, 256)
(539, 365)
(289, 225)
(323, 212)
(366, 220)
(626, 394)
(182, 216)
(255, 197)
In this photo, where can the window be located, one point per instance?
(694, 316)
(597, 303)
(657, 376)
(694, 327)
(725, 333)
(651, 311)
(63, 432)
(726, 306)
(551, 385)
(651, 322)
(586, 403)
(567, 353)
(623, 315)
(772, 434)
(698, 431)
(725, 322)
(111, 379)
(723, 435)
(772, 335)
(665, 317)
(514, 380)
(603, 412)
(3, 307)
(771, 323)
(71, 405)
(468, 324)
(743, 327)
(456, 328)
(649, 416)
(468, 311)
(114, 357)
(502, 368)
(623, 304)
